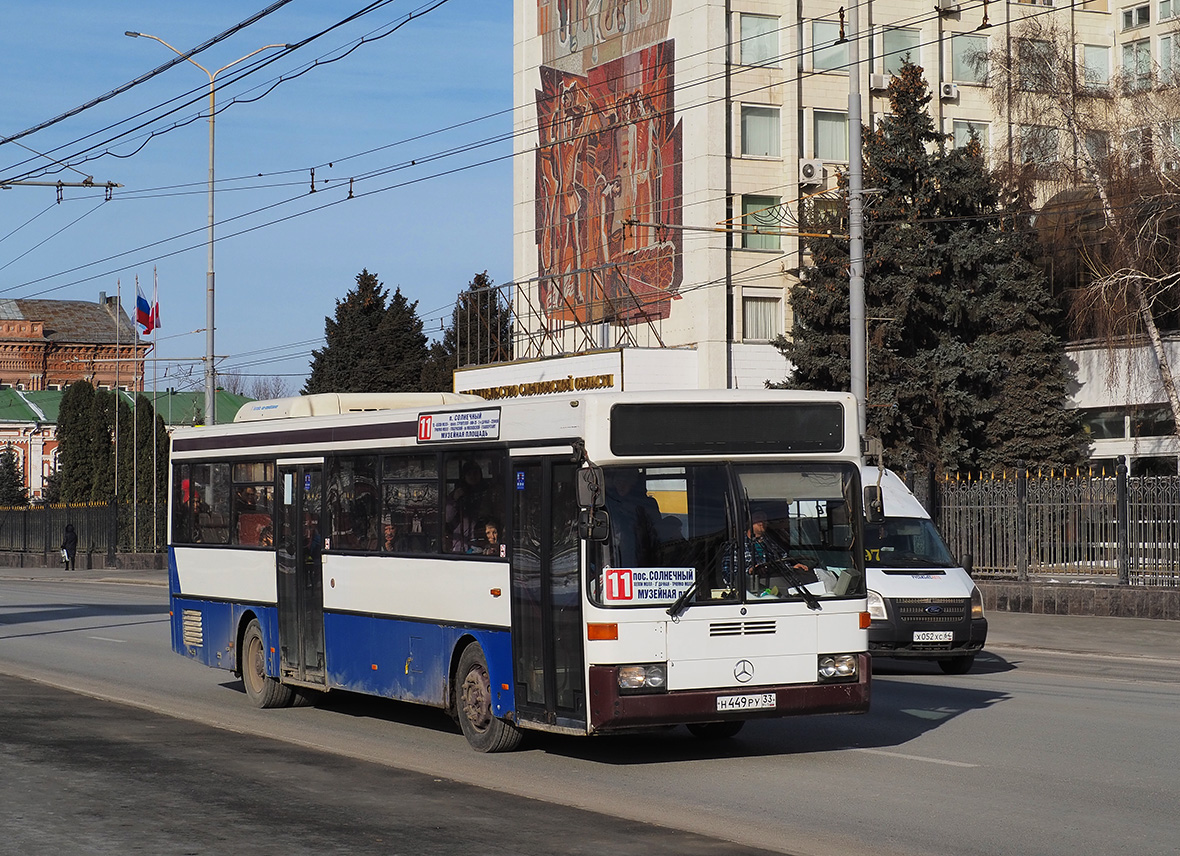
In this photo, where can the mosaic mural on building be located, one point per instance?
(608, 161)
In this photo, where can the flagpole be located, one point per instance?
(155, 418)
(134, 443)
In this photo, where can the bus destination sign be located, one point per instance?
(467, 425)
(646, 585)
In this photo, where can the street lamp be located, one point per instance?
(210, 374)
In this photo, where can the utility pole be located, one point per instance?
(857, 344)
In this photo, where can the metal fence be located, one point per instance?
(101, 528)
(1070, 524)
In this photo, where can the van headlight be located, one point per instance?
(877, 605)
(643, 678)
(976, 603)
(837, 667)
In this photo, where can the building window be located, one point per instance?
(1098, 146)
(759, 40)
(1034, 68)
(1039, 144)
(969, 58)
(1096, 66)
(828, 53)
(1137, 16)
(831, 136)
(1169, 9)
(760, 318)
(1170, 59)
(761, 130)
(961, 130)
(897, 46)
(761, 213)
(1137, 65)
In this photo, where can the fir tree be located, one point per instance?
(12, 482)
(480, 333)
(964, 370)
(403, 349)
(73, 443)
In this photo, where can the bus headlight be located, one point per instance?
(976, 603)
(876, 605)
(837, 666)
(644, 678)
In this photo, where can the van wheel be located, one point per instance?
(473, 705)
(263, 690)
(716, 730)
(957, 665)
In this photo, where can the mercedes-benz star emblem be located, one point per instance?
(743, 670)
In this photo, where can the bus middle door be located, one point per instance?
(546, 594)
(300, 579)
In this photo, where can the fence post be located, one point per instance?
(1022, 525)
(114, 533)
(1122, 498)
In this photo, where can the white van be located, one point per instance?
(923, 604)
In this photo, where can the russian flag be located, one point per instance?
(146, 314)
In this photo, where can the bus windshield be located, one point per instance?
(905, 542)
(731, 532)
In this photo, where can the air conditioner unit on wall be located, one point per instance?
(946, 5)
(811, 172)
(948, 91)
(878, 82)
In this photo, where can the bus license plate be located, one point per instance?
(934, 635)
(760, 701)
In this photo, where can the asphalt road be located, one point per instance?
(1036, 751)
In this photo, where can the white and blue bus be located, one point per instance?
(573, 563)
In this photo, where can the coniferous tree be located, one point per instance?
(374, 344)
(345, 363)
(75, 466)
(12, 482)
(964, 370)
(480, 333)
(403, 346)
(100, 442)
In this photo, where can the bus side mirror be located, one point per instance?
(874, 507)
(593, 524)
(591, 493)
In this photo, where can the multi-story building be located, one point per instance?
(662, 148)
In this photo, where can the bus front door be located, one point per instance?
(546, 594)
(300, 545)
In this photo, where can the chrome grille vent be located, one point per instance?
(192, 628)
(762, 627)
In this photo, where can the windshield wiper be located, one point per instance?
(681, 603)
(795, 582)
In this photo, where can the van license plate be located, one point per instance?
(760, 701)
(934, 635)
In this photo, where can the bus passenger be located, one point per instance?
(466, 505)
(491, 540)
(633, 518)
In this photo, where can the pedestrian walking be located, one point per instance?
(69, 547)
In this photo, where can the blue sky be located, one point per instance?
(364, 117)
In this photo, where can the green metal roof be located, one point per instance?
(176, 408)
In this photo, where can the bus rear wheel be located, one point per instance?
(263, 690)
(473, 705)
(716, 730)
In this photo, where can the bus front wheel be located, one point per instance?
(473, 705)
(263, 690)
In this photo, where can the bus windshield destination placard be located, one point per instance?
(468, 425)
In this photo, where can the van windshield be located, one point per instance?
(905, 542)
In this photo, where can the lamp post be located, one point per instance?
(210, 374)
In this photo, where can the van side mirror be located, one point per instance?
(590, 487)
(593, 524)
(874, 506)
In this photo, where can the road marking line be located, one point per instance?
(106, 639)
(915, 757)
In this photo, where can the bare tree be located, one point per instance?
(269, 387)
(1108, 148)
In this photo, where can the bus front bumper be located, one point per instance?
(611, 710)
